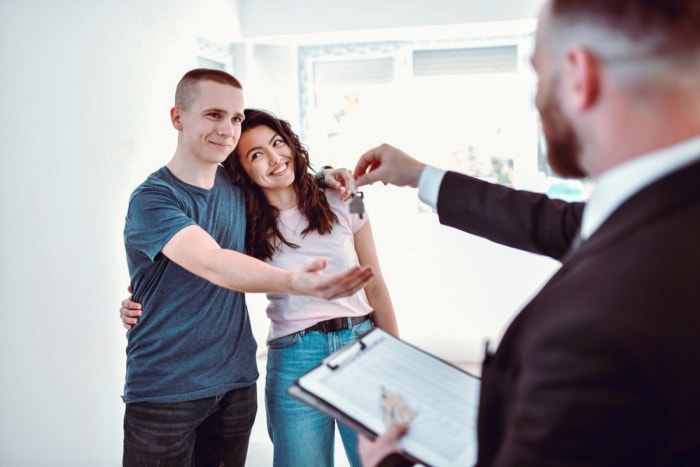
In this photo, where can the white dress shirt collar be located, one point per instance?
(615, 186)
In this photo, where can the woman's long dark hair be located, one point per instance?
(263, 235)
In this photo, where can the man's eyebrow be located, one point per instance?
(214, 109)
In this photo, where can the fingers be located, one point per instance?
(130, 318)
(363, 180)
(341, 180)
(314, 265)
(129, 323)
(130, 312)
(378, 165)
(346, 283)
(373, 452)
(365, 167)
(130, 304)
(348, 184)
(311, 281)
(126, 319)
(389, 165)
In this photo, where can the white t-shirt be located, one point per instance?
(292, 313)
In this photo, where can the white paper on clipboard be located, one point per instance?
(348, 386)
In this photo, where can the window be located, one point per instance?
(461, 104)
(464, 106)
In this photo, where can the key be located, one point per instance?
(357, 206)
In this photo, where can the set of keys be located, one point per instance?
(357, 205)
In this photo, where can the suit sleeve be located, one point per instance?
(519, 219)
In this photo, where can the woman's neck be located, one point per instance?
(283, 198)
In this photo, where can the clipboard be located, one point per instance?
(348, 385)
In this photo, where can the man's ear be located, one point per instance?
(175, 118)
(583, 75)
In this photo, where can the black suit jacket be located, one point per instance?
(602, 367)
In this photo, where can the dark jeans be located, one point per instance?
(204, 432)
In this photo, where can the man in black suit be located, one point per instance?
(601, 367)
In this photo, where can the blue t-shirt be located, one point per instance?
(194, 338)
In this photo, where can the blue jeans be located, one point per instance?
(300, 435)
(206, 432)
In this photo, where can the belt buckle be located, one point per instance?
(336, 324)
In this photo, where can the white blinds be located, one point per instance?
(472, 60)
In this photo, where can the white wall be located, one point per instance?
(85, 90)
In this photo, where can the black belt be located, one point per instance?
(338, 324)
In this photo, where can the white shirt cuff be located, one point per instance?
(429, 185)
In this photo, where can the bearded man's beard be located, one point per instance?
(563, 145)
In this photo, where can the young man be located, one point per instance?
(597, 369)
(191, 371)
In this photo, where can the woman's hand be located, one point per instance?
(340, 179)
(130, 312)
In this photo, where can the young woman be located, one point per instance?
(291, 219)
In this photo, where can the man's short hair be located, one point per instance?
(187, 89)
(657, 27)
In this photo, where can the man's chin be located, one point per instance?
(564, 161)
(567, 170)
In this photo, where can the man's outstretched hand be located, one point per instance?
(309, 279)
(387, 164)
